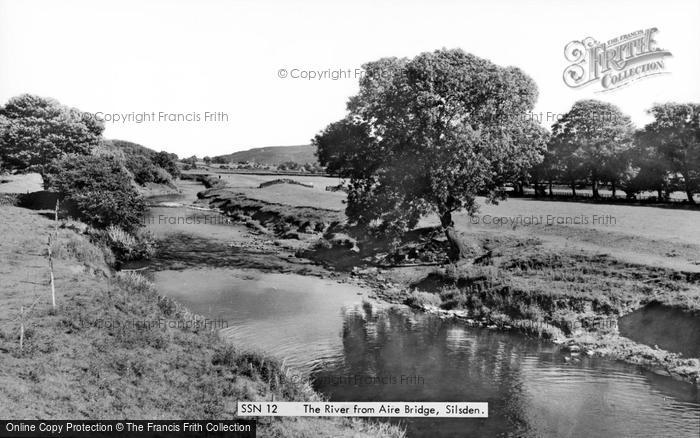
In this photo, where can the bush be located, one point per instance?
(168, 162)
(75, 247)
(141, 168)
(162, 176)
(135, 283)
(129, 246)
(422, 299)
(99, 189)
(145, 171)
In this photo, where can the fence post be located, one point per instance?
(53, 288)
(55, 220)
(21, 328)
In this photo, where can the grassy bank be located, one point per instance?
(278, 217)
(113, 348)
(567, 294)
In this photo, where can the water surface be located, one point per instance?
(363, 352)
(354, 350)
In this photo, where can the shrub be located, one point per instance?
(128, 246)
(75, 247)
(422, 299)
(133, 282)
(162, 176)
(99, 189)
(168, 162)
(143, 169)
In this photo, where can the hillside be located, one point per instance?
(129, 148)
(274, 155)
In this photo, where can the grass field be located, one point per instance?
(656, 236)
(288, 194)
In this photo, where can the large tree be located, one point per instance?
(35, 130)
(675, 133)
(590, 138)
(427, 135)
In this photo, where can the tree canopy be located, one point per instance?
(429, 134)
(675, 132)
(591, 139)
(35, 130)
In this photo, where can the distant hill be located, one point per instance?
(274, 155)
(129, 148)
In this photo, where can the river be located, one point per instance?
(357, 349)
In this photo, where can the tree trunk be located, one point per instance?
(688, 189)
(614, 189)
(689, 194)
(518, 189)
(457, 250)
(573, 188)
(594, 185)
(550, 189)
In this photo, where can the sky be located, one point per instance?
(185, 59)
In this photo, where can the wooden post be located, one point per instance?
(21, 328)
(55, 219)
(53, 288)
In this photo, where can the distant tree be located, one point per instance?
(647, 171)
(219, 160)
(675, 133)
(616, 169)
(143, 169)
(168, 162)
(191, 162)
(100, 189)
(533, 138)
(429, 134)
(35, 130)
(207, 160)
(590, 138)
(548, 170)
(289, 165)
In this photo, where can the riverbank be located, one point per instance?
(113, 348)
(571, 296)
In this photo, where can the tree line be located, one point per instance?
(595, 143)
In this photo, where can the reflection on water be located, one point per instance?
(397, 355)
(671, 328)
(359, 352)
(294, 317)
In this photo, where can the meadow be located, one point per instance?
(658, 236)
